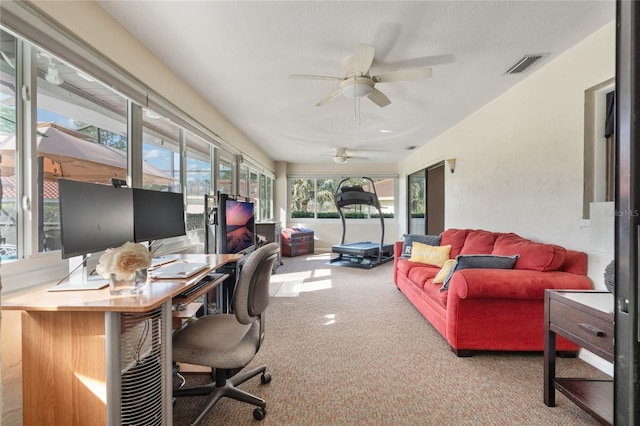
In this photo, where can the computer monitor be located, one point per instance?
(236, 225)
(93, 217)
(157, 215)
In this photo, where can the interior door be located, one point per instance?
(435, 199)
(426, 201)
(627, 203)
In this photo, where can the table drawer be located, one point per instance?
(594, 334)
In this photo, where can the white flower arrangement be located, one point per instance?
(124, 261)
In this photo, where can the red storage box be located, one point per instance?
(296, 241)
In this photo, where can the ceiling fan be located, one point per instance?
(342, 156)
(358, 83)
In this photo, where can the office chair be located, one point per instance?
(228, 342)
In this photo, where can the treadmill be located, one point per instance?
(364, 255)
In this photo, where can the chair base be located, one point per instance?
(227, 387)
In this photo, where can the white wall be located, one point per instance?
(519, 158)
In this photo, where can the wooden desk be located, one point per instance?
(92, 358)
(586, 318)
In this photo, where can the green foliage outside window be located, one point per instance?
(315, 198)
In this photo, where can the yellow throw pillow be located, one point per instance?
(448, 265)
(431, 255)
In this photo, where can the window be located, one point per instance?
(198, 182)
(225, 175)
(315, 198)
(302, 192)
(160, 153)
(81, 135)
(9, 191)
(253, 185)
(599, 145)
(417, 202)
(266, 197)
(243, 184)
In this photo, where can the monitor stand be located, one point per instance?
(78, 278)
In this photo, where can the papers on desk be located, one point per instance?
(177, 271)
(92, 283)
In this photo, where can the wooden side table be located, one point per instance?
(586, 318)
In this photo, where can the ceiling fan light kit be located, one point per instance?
(356, 87)
(359, 83)
(342, 156)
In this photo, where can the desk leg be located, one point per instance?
(549, 367)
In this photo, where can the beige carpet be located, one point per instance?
(345, 347)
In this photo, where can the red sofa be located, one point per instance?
(492, 309)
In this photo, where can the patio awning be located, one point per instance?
(71, 157)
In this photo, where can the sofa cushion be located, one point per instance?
(533, 256)
(444, 271)
(404, 265)
(430, 255)
(478, 242)
(480, 261)
(432, 291)
(409, 239)
(422, 274)
(455, 238)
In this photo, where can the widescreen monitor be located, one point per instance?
(157, 215)
(93, 217)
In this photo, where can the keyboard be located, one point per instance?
(199, 285)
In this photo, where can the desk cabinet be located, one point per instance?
(586, 318)
(98, 368)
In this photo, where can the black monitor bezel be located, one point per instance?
(93, 217)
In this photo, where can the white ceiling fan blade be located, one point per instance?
(355, 157)
(379, 98)
(315, 77)
(403, 75)
(329, 98)
(362, 59)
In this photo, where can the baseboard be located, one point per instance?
(596, 361)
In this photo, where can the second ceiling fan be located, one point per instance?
(358, 83)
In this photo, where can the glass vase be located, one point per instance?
(128, 287)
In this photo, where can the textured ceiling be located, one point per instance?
(239, 56)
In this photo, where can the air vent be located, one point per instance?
(525, 63)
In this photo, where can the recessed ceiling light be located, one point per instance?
(386, 131)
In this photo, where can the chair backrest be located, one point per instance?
(251, 295)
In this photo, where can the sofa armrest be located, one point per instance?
(397, 252)
(513, 283)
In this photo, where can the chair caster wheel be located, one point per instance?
(259, 413)
(265, 378)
